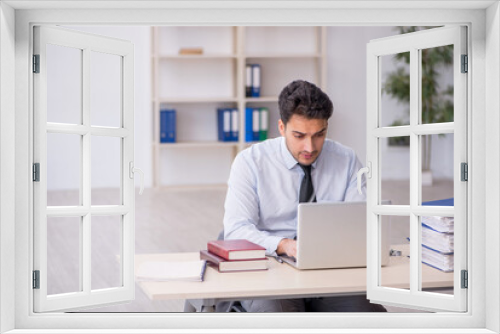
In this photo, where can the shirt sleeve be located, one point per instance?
(352, 194)
(241, 215)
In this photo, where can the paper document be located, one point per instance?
(171, 271)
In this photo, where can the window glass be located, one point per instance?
(63, 255)
(106, 252)
(64, 78)
(63, 169)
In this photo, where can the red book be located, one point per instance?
(223, 265)
(237, 249)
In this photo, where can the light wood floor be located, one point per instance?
(167, 220)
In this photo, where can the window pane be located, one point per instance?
(63, 254)
(106, 252)
(395, 272)
(437, 166)
(63, 169)
(437, 253)
(64, 84)
(437, 84)
(395, 170)
(395, 89)
(105, 89)
(106, 170)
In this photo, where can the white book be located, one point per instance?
(171, 271)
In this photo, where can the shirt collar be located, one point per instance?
(288, 158)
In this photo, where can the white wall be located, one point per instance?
(346, 85)
(7, 167)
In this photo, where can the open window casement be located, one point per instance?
(418, 292)
(83, 133)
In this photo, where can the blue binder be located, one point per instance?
(235, 124)
(168, 124)
(224, 124)
(441, 202)
(249, 124)
(255, 80)
(255, 124)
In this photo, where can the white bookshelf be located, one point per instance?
(196, 85)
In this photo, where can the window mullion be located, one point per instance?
(86, 176)
(414, 171)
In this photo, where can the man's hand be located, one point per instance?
(287, 247)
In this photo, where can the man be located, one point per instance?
(269, 179)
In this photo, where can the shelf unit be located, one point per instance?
(196, 85)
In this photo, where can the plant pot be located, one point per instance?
(426, 178)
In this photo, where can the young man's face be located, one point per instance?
(304, 137)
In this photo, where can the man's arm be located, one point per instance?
(352, 194)
(242, 206)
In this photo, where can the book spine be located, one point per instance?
(163, 126)
(248, 80)
(248, 124)
(255, 80)
(234, 125)
(255, 124)
(218, 251)
(220, 122)
(227, 124)
(264, 123)
(224, 124)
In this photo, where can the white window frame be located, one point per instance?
(483, 103)
(414, 43)
(86, 297)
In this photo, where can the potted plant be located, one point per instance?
(437, 103)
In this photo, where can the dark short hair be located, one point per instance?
(304, 99)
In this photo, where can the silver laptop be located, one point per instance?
(333, 235)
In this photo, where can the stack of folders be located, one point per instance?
(438, 242)
(234, 255)
(256, 124)
(252, 84)
(438, 238)
(168, 126)
(227, 124)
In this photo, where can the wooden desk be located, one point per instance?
(280, 281)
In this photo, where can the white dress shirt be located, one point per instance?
(264, 183)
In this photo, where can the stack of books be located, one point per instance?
(227, 124)
(252, 84)
(256, 124)
(438, 242)
(234, 255)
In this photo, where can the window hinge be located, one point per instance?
(465, 279)
(36, 279)
(36, 172)
(465, 64)
(36, 63)
(465, 171)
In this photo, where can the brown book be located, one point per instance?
(190, 51)
(236, 249)
(223, 265)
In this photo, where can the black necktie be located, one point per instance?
(306, 187)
